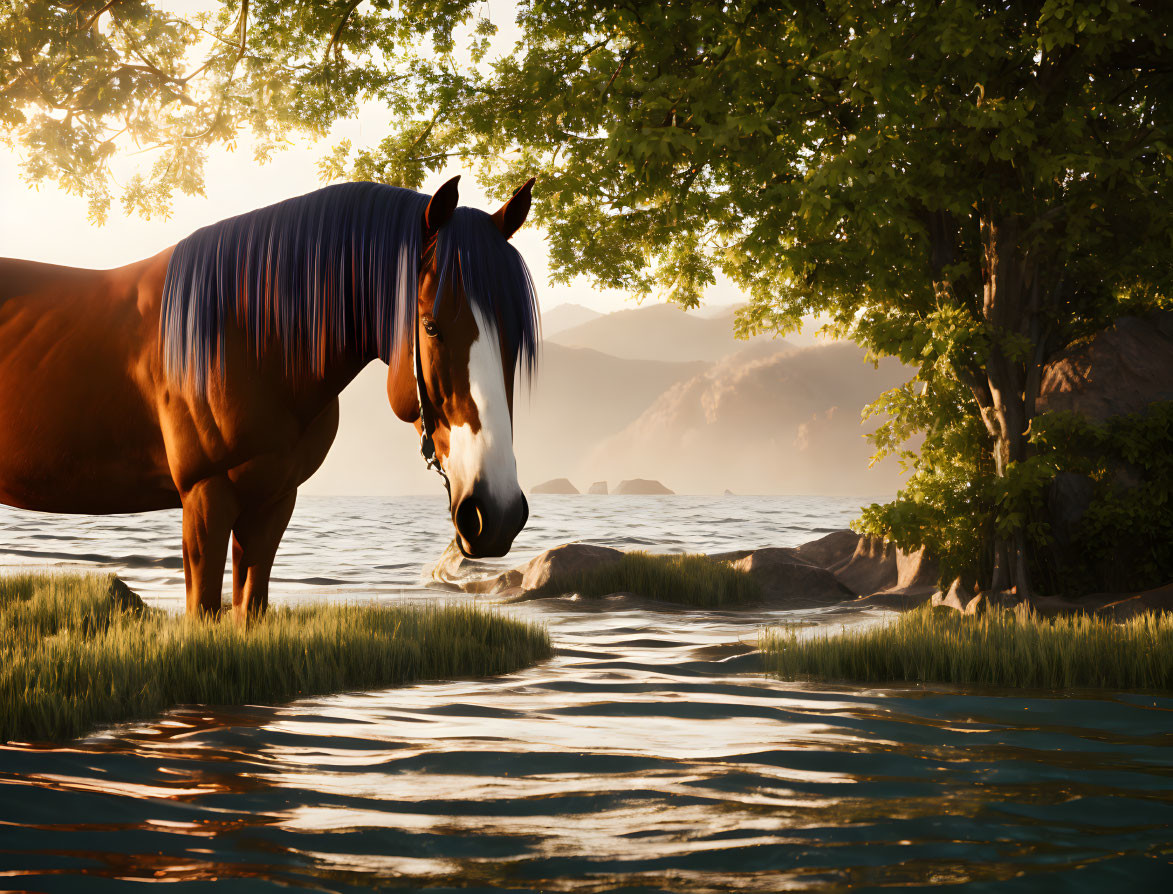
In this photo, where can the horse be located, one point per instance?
(207, 377)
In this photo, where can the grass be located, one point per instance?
(688, 579)
(999, 647)
(77, 651)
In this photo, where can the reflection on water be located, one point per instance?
(649, 754)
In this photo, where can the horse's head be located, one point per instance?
(476, 319)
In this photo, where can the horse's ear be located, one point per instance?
(440, 207)
(510, 216)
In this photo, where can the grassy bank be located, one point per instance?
(687, 579)
(1001, 648)
(75, 652)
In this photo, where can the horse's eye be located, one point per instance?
(430, 328)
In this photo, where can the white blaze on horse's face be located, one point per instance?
(488, 507)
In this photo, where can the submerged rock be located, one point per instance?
(554, 486)
(569, 558)
(647, 486)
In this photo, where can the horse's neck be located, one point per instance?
(21, 277)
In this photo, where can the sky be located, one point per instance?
(47, 224)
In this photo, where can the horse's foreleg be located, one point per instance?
(255, 539)
(209, 511)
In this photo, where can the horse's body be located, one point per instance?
(136, 389)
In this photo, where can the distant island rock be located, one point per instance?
(555, 486)
(643, 486)
(599, 487)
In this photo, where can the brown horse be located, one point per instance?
(207, 377)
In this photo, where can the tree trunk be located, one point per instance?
(1010, 307)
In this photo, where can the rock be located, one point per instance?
(732, 556)
(896, 598)
(554, 486)
(1122, 370)
(955, 598)
(599, 487)
(123, 596)
(1001, 599)
(1158, 600)
(887, 576)
(633, 486)
(570, 558)
(728, 493)
(916, 569)
(831, 549)
(871, 568)
(784, 576)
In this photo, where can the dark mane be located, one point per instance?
(334, 269)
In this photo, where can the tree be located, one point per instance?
(969, 186)
(84, 81)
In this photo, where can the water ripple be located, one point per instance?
(649, 753)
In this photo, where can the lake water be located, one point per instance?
(649, 754)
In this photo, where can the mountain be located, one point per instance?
(579, 397)
(661, 332)
(694, 408)
(780, 423)
(566, 316)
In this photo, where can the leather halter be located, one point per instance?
(427, 422)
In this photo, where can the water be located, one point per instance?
(649, 754)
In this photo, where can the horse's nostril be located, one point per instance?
(470, 521)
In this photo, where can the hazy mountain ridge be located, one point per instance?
(566, 316)
(784, 423)
(660, 332)
(580, 396)
(760, 417)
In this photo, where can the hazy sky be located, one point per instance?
(49, 225)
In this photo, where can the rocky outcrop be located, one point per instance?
(1158, 600)
(830, 550)
(1120, 371)
(816, 574)
(873, 568)
(554, 486)
(599, 487)
(647, 486)
(957, 598)
(784, 577)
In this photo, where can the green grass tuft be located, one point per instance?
(999, 648)
(77, 651)
(688, 579)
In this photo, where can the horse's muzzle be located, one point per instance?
(484, 527)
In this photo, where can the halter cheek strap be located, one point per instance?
(427, 422)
